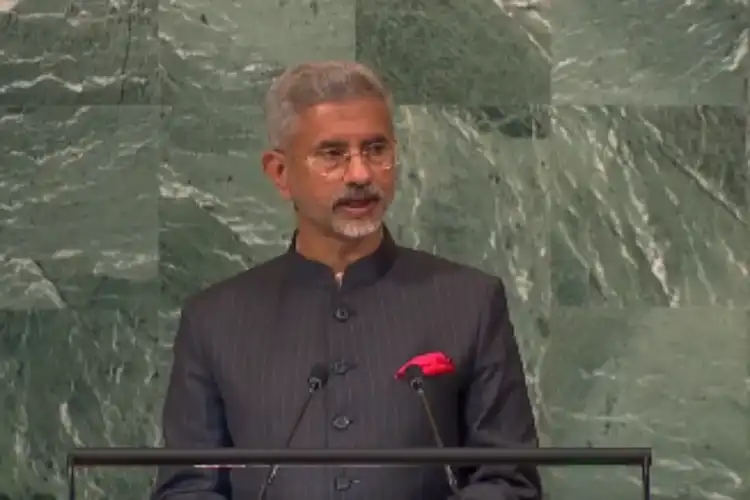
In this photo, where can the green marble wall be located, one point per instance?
(590, 152)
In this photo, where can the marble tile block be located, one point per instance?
(79, 193)
(227, 52)
(70, 53)
(450, 52)
(85, 377)
(218, 213)
(646, 52)
(672, 379)
(651, 206)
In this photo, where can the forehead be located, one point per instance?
(348, 121)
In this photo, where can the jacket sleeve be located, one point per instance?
(497, 411)
(193, 417)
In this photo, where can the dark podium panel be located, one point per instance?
(234, 457)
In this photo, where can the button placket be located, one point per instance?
(342, 314)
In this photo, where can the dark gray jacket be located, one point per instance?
(245, 347)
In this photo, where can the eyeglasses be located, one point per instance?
(333, 161)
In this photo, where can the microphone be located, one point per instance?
(415, 376)
(316, 380)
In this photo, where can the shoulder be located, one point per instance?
(435, 271)
(237, 292)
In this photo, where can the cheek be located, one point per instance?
(298, 183)
(312, 193)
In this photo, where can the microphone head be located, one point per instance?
(414, 374)
(318, 377)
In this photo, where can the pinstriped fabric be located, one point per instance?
(245, 347)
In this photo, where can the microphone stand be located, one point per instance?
(417, 384)
(315, 384)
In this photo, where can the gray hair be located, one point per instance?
(313, 83)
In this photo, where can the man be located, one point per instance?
(345, 294)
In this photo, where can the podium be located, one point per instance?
(235, 457)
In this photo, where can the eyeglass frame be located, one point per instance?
(345, 161)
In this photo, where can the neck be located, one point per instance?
(335, 252)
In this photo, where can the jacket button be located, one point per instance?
(342, 422)
(343, 483)
(341, 314)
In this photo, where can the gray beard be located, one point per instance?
(356, 229)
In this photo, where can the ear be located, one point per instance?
(275, 168)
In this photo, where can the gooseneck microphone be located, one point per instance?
(317, 380)
(415, 376)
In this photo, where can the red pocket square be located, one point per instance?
(431, 363)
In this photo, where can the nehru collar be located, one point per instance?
(365, 271)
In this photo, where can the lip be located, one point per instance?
(360, 211)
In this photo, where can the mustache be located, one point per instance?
(359, 193)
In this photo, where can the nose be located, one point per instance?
(357, 172)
